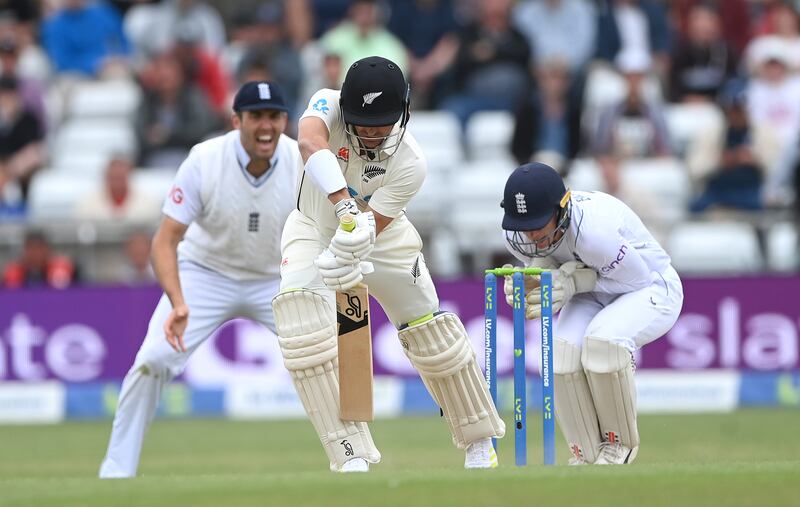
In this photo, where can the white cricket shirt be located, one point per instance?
(386, 187)
(606, 235)
(235, 220)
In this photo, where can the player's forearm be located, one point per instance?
(164, 256)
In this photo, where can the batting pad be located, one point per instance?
(575, 407)
(440, 350)
(609, 370)
(306, 327)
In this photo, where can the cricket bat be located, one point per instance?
(355, 348)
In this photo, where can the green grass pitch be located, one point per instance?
(747, 458)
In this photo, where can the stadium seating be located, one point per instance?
(54, 194)
(782, 246)
(439, 135)
(475, 214)
(86, 145)
(117, 98)
(488, 136)
(715, 247)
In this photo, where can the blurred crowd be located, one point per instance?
(544, 62)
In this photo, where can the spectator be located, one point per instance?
(634, 128)
(702, 62)
(174, 114)
(26, 15)
(491, 65)
(558, 30)
(84, 37)
(39, 266)
(773, 107)
(29, 61)
(30, 90)
(153, 26)
(786, 29)
(137, 269)
(263, 42)
(547, 127)
(363, 34)
(202, 68)
(736, 183)
(118, 199)
(734, 19)
(633, 26)
(328, 14)
(428, 29)
(21, 138)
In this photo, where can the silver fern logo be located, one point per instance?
(522, 206)
(370, 171)
(415, 271)
(369, 98)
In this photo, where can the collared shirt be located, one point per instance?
(385, 186)
(244, 161)
(234, 220)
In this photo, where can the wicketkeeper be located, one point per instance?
(616, 290)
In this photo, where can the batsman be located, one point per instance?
(616, 291)
(360, 160)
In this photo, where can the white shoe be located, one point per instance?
(481, 454)
(573, 462)
(355, 465)
(615, 454)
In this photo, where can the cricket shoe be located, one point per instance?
(615, 454)
(355, 465)
(481, 454)
(574, 462)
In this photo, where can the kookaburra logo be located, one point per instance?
(370, 97)
(522, 207)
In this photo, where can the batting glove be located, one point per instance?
(338, 275)
(357, 243)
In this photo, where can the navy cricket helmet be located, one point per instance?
(534, 194)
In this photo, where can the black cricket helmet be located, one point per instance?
(375, 94)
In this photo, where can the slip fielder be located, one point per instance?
(216, 255)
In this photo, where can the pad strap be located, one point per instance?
(440, 350)
(609, 371)
(306, 326)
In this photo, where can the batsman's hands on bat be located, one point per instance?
(357, 242)
(571, 278)
(338, 275)
(175, 327)
(531, 283)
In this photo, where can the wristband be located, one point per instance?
(325, 171)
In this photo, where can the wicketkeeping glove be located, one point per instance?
(571, 278)
(531, 283)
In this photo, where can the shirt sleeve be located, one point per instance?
(323, 105)
(389, 200)
(620, 267)
(184, 201)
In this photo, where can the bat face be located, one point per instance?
(355, 355)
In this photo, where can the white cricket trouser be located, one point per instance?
(631, 320)
(401, 282)
(213, 299)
